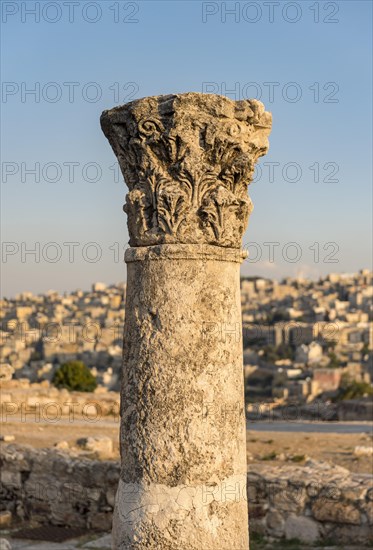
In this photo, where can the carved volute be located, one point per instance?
(187, 160)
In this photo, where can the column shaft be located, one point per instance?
(183, 436)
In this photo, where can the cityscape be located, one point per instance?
(302, 341)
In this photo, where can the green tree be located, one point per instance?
(272, 353)
(334, 362)
(75, 376)
(356, 390)
(351, 389)
(365, 349)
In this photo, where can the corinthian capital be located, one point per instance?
(187, 160)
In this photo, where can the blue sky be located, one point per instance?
(320, 69)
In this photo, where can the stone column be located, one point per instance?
(187, 160)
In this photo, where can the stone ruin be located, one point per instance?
(187, 160)
(315, 503)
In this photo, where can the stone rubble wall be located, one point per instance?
(313, 503)
(48, 486)
(318, 502)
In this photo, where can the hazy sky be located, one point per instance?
(309, 62)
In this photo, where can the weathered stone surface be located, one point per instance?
(5, 519)
(7, 438)
(100, 444)
(363, 450)
(183, 420)
(12, 479)
(62, 446)
(275, 523)
(337, 512)
(332, 500)
(184, 326)
(5, 544)
(368, 510)
(187, 160)
(287, 498)
(302, 528)
(51, 487)
(6, 371)
(88, 501)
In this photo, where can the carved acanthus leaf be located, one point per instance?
(187, 160)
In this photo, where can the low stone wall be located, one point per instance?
(318, 502)
(49, 486)
(312, 503)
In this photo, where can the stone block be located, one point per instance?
(302, 528)
(336, 512)
(101, 521)
(11, 479)
(110, 497)
(5, 519)
(101, 445)
(275, 523)
(362, 450)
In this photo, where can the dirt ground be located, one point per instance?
(47, 434)
(285, 447)
(273, 447)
